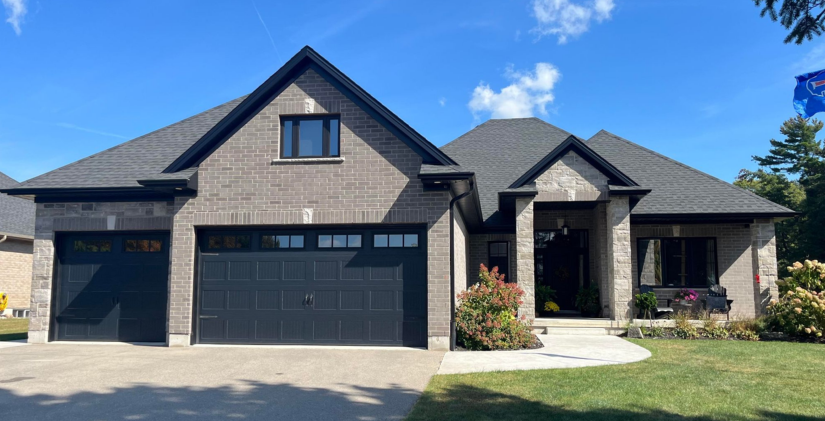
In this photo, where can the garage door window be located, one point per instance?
(339, 241)
(282, 241)
(143, 246)
(93, 246)
(217, 242)
(395, 240)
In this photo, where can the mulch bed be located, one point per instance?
(536, 344)
(765, 336)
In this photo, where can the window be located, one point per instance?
(228, 242)
(498, 255)
(282, 241)
(339, 241)
(93, 246)
(143, 246)
(677, 262)
(395, 240)
(310, 136)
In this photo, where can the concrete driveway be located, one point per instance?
(130, 382)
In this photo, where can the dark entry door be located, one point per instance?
(112, 287)
(323, 286)
(562, 264)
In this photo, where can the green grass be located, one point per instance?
(683, 380)
(12, 329)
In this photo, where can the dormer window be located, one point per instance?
(310, 136)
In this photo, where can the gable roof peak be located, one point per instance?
(307, 58)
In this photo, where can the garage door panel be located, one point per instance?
(358, 295)
(108, 294)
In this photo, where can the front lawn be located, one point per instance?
(11, 329)
(683, 380)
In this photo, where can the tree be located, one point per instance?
(805, 18)
(789, 193)
(795, 163)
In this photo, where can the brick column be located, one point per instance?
(763, 247)
(524, 256)
(181, 277)
(619, 273)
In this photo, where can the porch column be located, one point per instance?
(619, 273)
(525, 273)
(763, 248)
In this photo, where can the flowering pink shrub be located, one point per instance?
(686, 295)
(487, 314)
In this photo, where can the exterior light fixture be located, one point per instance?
(565, 230)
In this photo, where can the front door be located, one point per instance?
(562, 266)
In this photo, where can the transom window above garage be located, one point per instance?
(310, 136)
(282, 241)
(142, 246)
(395, 240)
(339, 241)
(217, 242)
(93, 246)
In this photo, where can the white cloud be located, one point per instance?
(15, 9)
(567, 18)
(529, 92)
(442, 101)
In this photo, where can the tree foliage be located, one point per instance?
(805, 18)
(792, 174)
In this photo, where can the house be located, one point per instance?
(309, 213)
(16, 243)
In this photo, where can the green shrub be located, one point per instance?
(684, 329)
(799, 312)
(486, 318)
(653, 331)
(587, 300)
(647, 303)
(809, 275)
(711, 328)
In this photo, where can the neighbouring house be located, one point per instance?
(309, 213)
(16, 243)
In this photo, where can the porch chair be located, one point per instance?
(717, 301)
(660, 310)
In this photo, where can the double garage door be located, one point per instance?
(323, 286)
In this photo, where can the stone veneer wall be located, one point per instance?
(736, 260)
(619, 272)
(525, 263)
(571, 178)
(16, 272)
(52, 218)
(245, 183)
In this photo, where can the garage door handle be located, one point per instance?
(208, 317)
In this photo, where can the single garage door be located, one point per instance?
(112, 287)
(324, 286)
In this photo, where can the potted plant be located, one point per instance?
(544, 296)
(646, 303)
(684, 299)
(587, 300)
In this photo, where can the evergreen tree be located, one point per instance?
(805, 18)
(798, 160)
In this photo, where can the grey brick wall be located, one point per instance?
(52, 218)
(461, 242)
(239, 184)
(479, 254)
(735, 255)
(16, 272)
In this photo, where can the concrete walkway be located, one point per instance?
(559, 352)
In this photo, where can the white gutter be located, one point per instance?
(5, 237)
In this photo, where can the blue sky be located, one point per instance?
(705, 82)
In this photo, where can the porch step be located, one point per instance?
(575, 331)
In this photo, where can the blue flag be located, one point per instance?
(809, 95)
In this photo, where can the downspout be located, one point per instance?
(5, 237)
(452, 263)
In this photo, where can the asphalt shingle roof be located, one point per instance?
(675, 187)
(16, 214)
(141, 158)
(500, 151)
